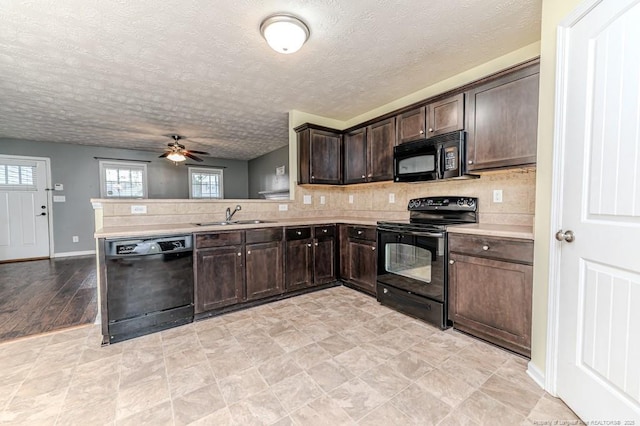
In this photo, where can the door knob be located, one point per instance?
(567, 236)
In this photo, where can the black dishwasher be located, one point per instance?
(149, 285)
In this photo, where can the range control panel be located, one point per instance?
(444, 203)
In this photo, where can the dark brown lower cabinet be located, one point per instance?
(263, 266)
(358, 257)
(298, 261)
(219, 278)
(490, 287)
(324, 264)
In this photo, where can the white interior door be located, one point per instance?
(24, 208)
(598, 358)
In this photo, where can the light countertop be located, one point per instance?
(189, 228)
(493, 230)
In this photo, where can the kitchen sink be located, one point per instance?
(235, 222)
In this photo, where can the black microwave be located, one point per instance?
(439, 157)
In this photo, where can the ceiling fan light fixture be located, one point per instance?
(284, 33)
(176, 157)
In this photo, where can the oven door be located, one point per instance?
(413, 261)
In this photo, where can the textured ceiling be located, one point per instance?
(124, 73)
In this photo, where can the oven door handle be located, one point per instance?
(407, 232)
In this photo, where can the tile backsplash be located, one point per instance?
(364, 201)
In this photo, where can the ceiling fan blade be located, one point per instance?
(199, 152)
(165, 154)
(193, 157)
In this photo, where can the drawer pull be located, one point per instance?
(239, 254)
(309, 245)
(325, 230)
(316, 244)
(248, 251)
(359, 232)
(451, 262)
(485, 247)
(373, 248)
(299, 232)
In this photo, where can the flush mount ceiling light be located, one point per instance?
(284, 33)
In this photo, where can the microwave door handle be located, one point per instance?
(439, 163)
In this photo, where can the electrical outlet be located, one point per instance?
(350, 198)
(75, 239)
(323, 199)
(392, 198)
(283, 207)
(306, 199)
(497, 195)
(138, 209)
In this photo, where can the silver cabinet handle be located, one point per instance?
(422, 132)
(470, 161)
(309, 245)
(313, 177)
(299, 232)
(430, 129)
(567, 236)
(485, 247)
(451, 262)
(239, 254)
(385, 291)
(359, 232)
(373, 248)
(316, 244)
(369, 175)
(248, 251)
(325, 230)
(363, 176)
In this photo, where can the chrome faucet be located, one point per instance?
(229, 214)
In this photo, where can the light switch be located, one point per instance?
(283, 207)
(280, 171)
(392, 198)
(59, 198)
(306, 199)
(350, 198)
(497, 195)
(323, 199)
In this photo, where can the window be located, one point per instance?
(18, 175)
(123, 180)
(205, 183)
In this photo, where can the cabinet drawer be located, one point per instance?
(302, 233)
(362, 232)
(509, 249)
(324, 231)
(263, 235)
(218, 239)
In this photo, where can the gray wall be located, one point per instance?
(75, 168)
(262, 172)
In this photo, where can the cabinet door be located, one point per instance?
(503, 121)
(491, 299)
(445, 116)
(325, 157)
(381, 138)
(263, 268)
(298, 264)
(343, 252)
(324, 261)
(218, 278)
(362, 264)
(355, 156)
(411, 125)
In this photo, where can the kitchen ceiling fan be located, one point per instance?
(178, 153)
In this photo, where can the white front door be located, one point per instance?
(598, 358)
(24, 208)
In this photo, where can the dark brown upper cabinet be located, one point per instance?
(502, 121)
(368, 152)
(381, 138)
(319, 154)
(445, 116)
(435, 118)
(355, 156)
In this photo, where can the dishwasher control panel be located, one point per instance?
(144, 246)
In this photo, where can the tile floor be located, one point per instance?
(331, 357)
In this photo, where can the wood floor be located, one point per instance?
(45, 295)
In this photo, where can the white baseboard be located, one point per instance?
(74, 253)
(534, 372)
